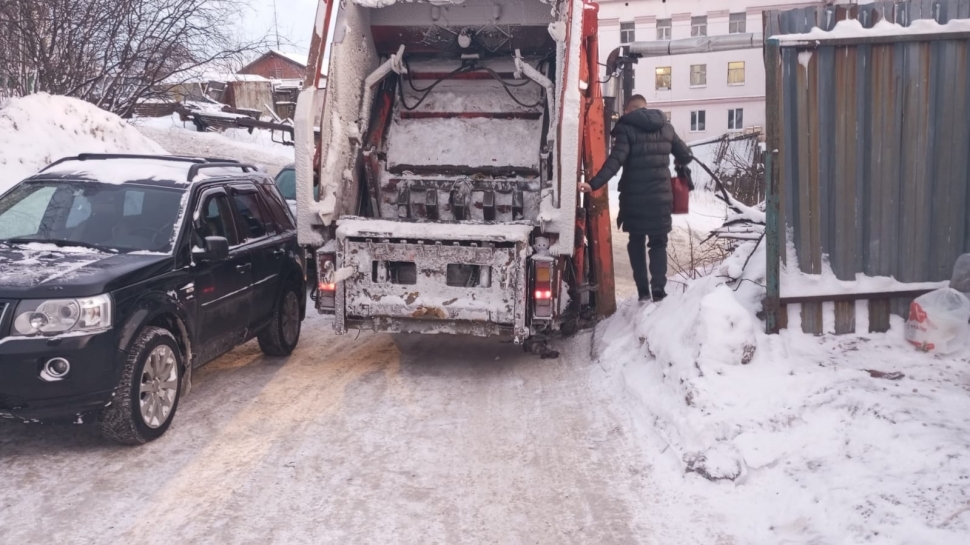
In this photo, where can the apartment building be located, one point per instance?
(703, 95)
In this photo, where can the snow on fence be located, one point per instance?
(868, 110)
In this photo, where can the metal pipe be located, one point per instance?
(700, 44)
(523, 68)
(393, 64)
(774, 223)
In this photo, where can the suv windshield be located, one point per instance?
(126, 217)
(286, 181)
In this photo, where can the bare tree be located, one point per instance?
(115, 53)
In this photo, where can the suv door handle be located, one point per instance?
(244, 268)
(277, 253)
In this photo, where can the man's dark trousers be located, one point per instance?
(637, 248)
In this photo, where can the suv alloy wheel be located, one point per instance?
(148, 393)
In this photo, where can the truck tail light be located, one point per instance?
(543, 275)
(326, 286)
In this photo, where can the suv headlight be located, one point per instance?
(53, 316)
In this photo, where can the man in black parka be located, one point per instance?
(644, 141)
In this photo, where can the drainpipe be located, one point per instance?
(700, 44)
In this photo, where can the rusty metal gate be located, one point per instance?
(872, 151)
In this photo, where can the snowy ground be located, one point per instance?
(181, 138)
(382, 439)
(679, 423)
(792, 438)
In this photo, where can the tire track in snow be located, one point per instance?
(313, 389)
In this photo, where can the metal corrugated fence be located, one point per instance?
(873, 140)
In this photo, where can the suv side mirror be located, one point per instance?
(216, 249)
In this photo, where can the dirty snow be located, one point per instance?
(355, 439)
(38, 129)
(793, 438)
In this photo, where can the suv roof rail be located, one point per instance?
(107, 156)
(195, 168)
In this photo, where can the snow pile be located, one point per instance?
(38, 129)
(792, 438)
(183, 139)
(796, 284)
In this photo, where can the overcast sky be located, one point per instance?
(296, 19)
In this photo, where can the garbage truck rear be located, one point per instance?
(447, 140)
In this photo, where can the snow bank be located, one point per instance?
(38, 129)
(792, 438)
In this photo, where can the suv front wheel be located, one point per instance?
(147, 396)
(281, 335)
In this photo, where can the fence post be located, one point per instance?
(774, 231)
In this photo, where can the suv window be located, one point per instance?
(217, 220)
(280, 211)
(253, 221)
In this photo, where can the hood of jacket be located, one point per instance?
(644, 119)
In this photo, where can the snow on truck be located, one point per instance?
(448, 139)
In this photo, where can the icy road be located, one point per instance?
(382, 439)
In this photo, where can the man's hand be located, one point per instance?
(585, 187)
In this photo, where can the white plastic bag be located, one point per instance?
(961, 275)
(939, 321)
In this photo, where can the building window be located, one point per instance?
(279, 72)
(667, 116)
(735, 119)
(736, 73)
(698, 75)
(737, 24)
(663, 78)
(663, 29)
(698, 26)
(698, 121)
(627, 33)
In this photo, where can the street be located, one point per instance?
(378, 439)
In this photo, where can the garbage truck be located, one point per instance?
(439, 146)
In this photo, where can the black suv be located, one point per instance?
(119, 274)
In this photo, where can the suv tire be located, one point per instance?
(145, 399)
(279, 338)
